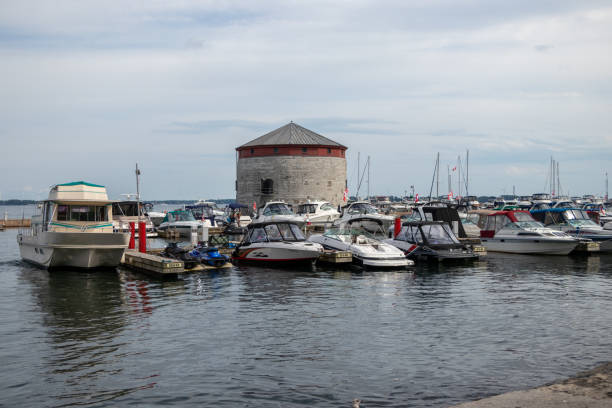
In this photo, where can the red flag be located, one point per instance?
(450, 195)
(254, 206)
(345, 196)
(416, 198)
(454, 168)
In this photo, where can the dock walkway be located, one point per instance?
(161, 266)
(589, 389)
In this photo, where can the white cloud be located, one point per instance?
(514, 84)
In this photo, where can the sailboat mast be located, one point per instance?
(459, 175)
(558, 181)
(606, 186)
(438, 175)
(358, 174)
(368, 178)
(467, 172)
(450, 188)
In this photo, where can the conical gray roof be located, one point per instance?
(291, 134)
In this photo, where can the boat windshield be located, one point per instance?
(525, 221)
(277, 209)
(180, 216)
(275, 233)
(578, 218)
(307, 209)
(362, 208)
(351, 235)
(436, 234)
(576, 215)
(327, 207)
(432, 234)
(128, 209)
(410, 233)
(471, 219)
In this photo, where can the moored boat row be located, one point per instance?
(79, 227)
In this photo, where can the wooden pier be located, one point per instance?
(587, 247)
(169, 234)
(152, 263)
(15, 223)
(160, 266)
(336, 257)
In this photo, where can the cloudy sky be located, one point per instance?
(89, 88)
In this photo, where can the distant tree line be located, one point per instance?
(17, 202)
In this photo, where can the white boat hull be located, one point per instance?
(279, 252)
(182, 227)
(529, 246)
(295, 219)
(376, 224)
(381, 255)
(321, 219)
(73, 250)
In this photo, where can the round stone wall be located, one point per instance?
(295, 179)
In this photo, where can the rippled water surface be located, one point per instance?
(281, 338)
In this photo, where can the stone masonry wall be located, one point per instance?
(296, 179)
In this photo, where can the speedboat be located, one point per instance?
(597, 212)
(278, 211)
(517, 232)
(431, 241)
(182, 221)
(318, 212)
(238, 215)
(206, 211)
(577, 223)
(470, 201)
(125, 212)
(367, 251)
(156, 217)
(276, 242)
(470, 225)
(369, 216)
(543, 198)
(74, 229)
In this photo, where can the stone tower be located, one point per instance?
(292, 164)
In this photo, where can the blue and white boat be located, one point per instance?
(577, 223)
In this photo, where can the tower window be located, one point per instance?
(252, 151)
(267, 186)
(276, 150)
(304, 150)
(328, 151)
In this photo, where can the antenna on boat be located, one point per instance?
(607, 185)
(138, 190)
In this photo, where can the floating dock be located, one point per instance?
(336, 257)
(161, 266)
(15, 223)
(587, 247)
(169, 234)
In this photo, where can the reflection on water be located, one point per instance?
(431, 336)
(84, 314)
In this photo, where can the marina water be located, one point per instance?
(432, 336)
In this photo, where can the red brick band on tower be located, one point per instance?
(291, 150)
